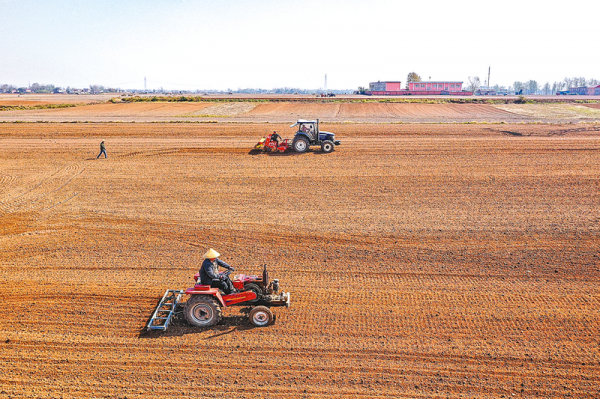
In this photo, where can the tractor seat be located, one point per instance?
(200, 287)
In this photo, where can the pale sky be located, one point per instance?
(221, 44)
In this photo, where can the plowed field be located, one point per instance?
(554, 111)
(111, 111)
(278, 112)
(43, 99)
(423, 261)
(286, 111)
(386, 111)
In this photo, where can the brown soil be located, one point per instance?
(596, 106)
(276, 112)
(386, 111)
(112, 111)
(559, 111)
(25, 103)
(43, 99)
(423, 261)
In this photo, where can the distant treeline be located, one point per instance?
(49, 89)
(34, 88)
(95, 89)
(534, 87)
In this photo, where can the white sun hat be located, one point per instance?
(211, 254)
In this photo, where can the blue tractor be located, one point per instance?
(309, 134)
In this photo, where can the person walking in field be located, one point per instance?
(102, 150)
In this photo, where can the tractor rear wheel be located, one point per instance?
(300, 144)
(327, 146)
(256, 289)
(261, 316)
(202, 311)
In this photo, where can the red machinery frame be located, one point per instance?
(225, 300)
(266, 144)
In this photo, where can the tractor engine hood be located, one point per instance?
(326, 136)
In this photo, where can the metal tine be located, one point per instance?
(169, 301)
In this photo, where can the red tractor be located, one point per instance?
(204, 305)
(267, 145)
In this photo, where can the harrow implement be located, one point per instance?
(164, 311)
(204, 304)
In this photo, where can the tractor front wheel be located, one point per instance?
(327, 146)
(300, 144)
(202, 311)
(261, 316)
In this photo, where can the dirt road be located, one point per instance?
(423, 261)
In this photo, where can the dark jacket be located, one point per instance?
(209, 272)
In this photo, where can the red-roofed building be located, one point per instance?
(385, 86)
(435, 86)
(417, 88)
(585, 90)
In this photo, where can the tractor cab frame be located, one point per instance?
(309, 134)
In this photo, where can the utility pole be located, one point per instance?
(325, 83)
(489, 69)
(144, 83)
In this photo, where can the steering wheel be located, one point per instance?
(227, 273)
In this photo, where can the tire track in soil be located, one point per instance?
(44, 195)
(386, 359)
(308, 365)
(6, 180)
(185, 150)
(406, 332)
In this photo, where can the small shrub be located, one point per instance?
(521, 100)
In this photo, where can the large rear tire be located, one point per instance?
(202, 311)
(300, 144)
(327, 146)
(261, 316)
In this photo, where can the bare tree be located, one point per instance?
(532, 87)
(517, 86)
(7, 88)
(579, 81)
(96, 89)
(474, 83)
(546, 88)
(412, 77)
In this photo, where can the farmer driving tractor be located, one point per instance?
(210, 275)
